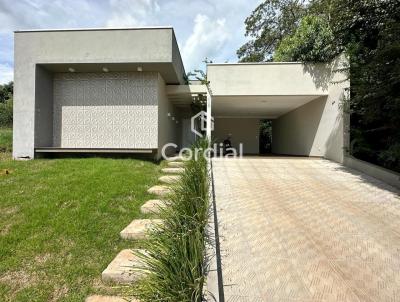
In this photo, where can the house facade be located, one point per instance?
(125, 91)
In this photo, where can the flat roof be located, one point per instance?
(253, 63)
(92, 29)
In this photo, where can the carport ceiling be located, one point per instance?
(258, 106)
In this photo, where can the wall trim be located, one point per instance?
(390, 177)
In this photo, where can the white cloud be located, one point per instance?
(206, 40)
(6, 73)
(126, 13)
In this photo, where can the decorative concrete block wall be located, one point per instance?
(106, 110)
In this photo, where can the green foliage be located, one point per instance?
(175, 251)
(6, 113)
(60, 220)
(268, 24)
(6, 92)
(6, 104)
(5, 140)
(368, 32)
(313, 41)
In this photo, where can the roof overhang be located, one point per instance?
(88, 50)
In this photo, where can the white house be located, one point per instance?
(124, 91)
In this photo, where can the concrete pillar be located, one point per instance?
(209, 118)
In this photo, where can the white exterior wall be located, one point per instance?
(318, 128)
(106, 110)
(243, 130)
(267, 79)
(167, 127)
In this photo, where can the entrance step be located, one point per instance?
(138, 228)
(169, 179)
(121, 269)
(98, 298)
(176, 164)
(152, 206)
(160, 190)
(173, 170)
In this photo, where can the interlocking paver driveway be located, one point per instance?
(298, 229)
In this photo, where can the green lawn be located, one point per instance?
(60, 221)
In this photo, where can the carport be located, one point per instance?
(302, 100)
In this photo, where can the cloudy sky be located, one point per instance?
(204, 28)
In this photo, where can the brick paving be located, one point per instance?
(298, 229)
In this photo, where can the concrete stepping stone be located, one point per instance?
(173, 170)
(160, 190)
(169, 179)
(138, 228)
(176, 158)
(176, 164)
(121, 269)
(152, 206)
(99, 298)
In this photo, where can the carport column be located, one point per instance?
(209, 120)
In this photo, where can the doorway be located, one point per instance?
(265, 136)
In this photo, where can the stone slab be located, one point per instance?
(159, 190)
(169, 179)
(121, 269)
(99, 298)
(173, 170)
(152, 206)
(138, 228)
(176, 164)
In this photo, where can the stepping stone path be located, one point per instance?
(152, 206)
(159, 190)
(173, 170)
(138, 228)
(120, 270)
(176, 164)
(169, 179)
(98, 298)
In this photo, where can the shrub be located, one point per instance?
(175, 251)
(6, 113)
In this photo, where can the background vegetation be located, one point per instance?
(175, 250)
(368, 32)
(6, 104)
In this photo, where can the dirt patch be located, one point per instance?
(9, 211)
(59, 292)
(18, 280)
(41, 259)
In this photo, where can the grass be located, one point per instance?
(60, 221)
(175, 251)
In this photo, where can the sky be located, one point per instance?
(213, 29)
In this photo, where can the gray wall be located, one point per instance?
(43, 108)
(167, 128)
(243, 130)
(267, 79)
(314, 129)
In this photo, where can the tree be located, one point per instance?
(268, 24)
(6, 92)
(313, 41)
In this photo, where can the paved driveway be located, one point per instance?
(296, 229)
